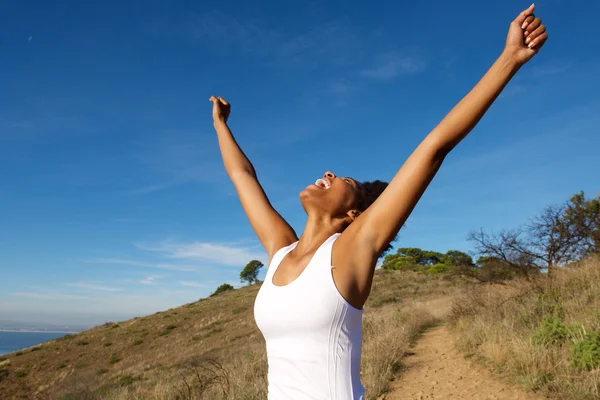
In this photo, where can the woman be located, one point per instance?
(309, 307)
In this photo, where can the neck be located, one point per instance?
(316, 231)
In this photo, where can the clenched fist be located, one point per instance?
(526, 36)
(221, 109)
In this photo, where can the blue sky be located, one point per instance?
(114, 201)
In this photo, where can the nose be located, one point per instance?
(329, 175)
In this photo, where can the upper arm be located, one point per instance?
(270, 227)
(378, 225)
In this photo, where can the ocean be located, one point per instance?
(13, 341)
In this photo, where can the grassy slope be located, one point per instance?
(211, 348)
(527, 330)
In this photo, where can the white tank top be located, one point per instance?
(313, 335)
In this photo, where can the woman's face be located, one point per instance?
(332, 194)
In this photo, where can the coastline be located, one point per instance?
(33, 331)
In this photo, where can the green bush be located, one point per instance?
(21, 374)
(223, 288)
(552, 331)
(439, 269)
(138, 342)
(114, 359)
(586, 353)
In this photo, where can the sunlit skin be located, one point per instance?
(335, 209)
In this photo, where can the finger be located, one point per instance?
(533, 26)
(527, 21)
(541, 29)
(223, 101)
(524, 14)
(539, 41)
(212, 99)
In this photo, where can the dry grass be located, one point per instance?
(527, 330)
(211, 349)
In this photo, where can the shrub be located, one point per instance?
(126, 380)
(113, 359)
(101, 371)
(83, 343)
(439, 269)
(21, 374)
(223, 288)
(586, 353)
(137, 342)
(552, 331)
(3, 374)
(107, 344)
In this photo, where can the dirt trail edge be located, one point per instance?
(436, 370)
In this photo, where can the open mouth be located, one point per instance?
(323, 183)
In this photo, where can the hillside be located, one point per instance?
(212, 348)
(542, 333)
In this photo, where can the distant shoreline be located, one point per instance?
(32, 331)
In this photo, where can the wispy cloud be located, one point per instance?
(193, 284)
(220, 254)
(550, 68)
(336, 45)
(149, 281)
(176, 157)
(51, 296)
(170, 267)
(94, 286)
(391, 65)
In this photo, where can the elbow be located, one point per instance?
(241, 174)
(438, 149)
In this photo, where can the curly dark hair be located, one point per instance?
(371, 191)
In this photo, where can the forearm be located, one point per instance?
(234, 159)
(467, 113)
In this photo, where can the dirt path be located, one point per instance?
(435, 370)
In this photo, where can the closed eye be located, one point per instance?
(351, 183)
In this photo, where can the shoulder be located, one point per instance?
(279, 245)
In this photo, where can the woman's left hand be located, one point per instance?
(526, 36)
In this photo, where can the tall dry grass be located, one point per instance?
(215, 350)
(543, 334)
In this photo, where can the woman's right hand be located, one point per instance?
(221, 109)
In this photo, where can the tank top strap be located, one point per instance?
(325, 251)
(278, 256)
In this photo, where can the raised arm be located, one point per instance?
(383, 219)
(272, 230)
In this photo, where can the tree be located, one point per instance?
(457, 258)
(250, 272)
(415, 259)
(223, 288)
(559, 235)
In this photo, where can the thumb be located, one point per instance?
(524, 14)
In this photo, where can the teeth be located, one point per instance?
(322, 183)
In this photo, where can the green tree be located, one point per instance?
(457, 258)
(223, 288)
(250, 272)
